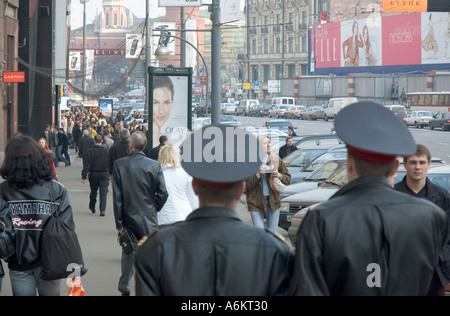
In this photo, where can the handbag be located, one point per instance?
(127, 241)
(60, 248)
(277, 185)
(7, 248)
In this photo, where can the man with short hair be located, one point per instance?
(154, 152)
(416, 183)
(95, 164)
(119, 149)
(213, 252)
(369, 239)
(139, 192)
(287, 148)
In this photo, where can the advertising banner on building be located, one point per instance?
(133, 46)
(398, 43)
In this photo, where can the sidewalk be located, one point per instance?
(98, 236)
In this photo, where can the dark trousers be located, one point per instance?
(98, 180)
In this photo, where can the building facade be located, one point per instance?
(9, 42)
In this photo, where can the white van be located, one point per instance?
(334, 105)
(283, 101)
(245, 105)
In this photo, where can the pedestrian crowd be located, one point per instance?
(174, 211)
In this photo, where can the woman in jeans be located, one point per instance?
(28, 178)
(262, 200)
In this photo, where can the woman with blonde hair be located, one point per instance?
(262, 200)
(182, 199)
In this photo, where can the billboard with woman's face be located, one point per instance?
(170, 107)
(388, 44)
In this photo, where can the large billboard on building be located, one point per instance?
(390, 44)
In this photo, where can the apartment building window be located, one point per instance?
(278, 45)
(266, 73)
(291, 71)
(278, 72)
(255, 73)
(304, 44)
(291, 45)
(253, 46)
(266, 46)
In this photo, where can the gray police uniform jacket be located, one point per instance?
(369, 239)
(213, 253)
(139, 191)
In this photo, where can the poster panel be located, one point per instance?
(401, 39)
(435, 30)
(328, 43)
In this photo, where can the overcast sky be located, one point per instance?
(137, 6)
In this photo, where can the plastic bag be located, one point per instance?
(75, 287)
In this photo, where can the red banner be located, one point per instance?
(13, 76)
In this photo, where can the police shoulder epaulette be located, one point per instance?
(276, 234)
(142, 241)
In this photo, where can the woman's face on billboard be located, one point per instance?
(162, 105)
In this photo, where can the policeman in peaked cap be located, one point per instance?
(213, 252)
(370, 239)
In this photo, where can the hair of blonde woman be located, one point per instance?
(168, 154)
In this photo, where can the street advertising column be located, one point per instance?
(169, 104)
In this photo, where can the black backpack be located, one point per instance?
(61, 252)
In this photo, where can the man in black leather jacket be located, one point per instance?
(213, 252)
(416, 183)
(370, 239)
(139, 191)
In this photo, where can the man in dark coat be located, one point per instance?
(416, 183)
(95, 165)
(370, 239)
(287, 148)
(213, 252)
(119, 149)
(139, 192)
(77, 134)
(86, 143)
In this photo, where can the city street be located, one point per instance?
(98, 237)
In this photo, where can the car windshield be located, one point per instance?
(301, 158)
(340, 178)
(283, 107)
(446, 115)
(282, 126)
(325, 158)
(426, 113)
(324, 171)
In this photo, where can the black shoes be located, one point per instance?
(92, 210)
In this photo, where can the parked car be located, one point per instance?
(334, 105)
(310, 141)
(315, 178)
(398, 110)
(259, 110)
(277, 110)
(295, 112)
(299, 204)
(418, 118)
(338, 155)
(281, 125)
(314, 112)
(442, 121)
(228, 108)
(200, 122)
(245, 105)
(298, 160)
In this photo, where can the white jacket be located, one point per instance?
(182, 199)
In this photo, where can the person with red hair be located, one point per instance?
(43, 142)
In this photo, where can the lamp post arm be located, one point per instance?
(204, 63)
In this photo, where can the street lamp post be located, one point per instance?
(162, 53)
(84, 49)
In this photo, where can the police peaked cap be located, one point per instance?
(373, 132)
